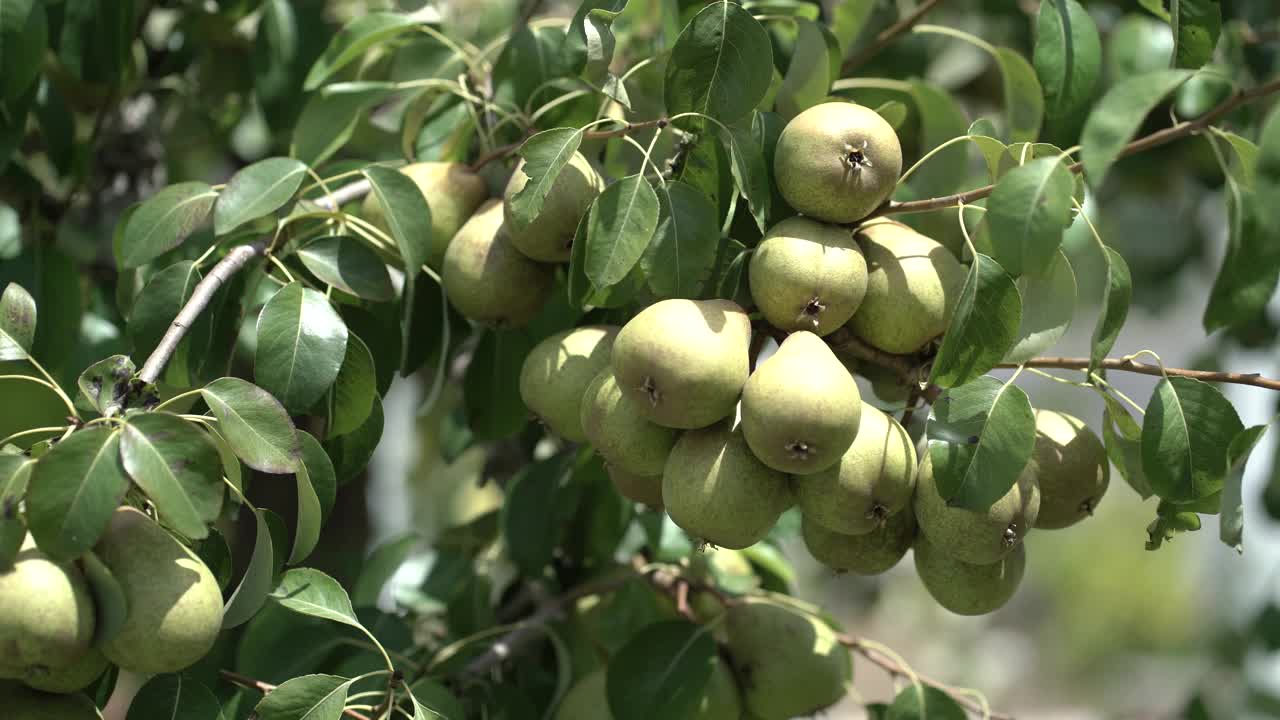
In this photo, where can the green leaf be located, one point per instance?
(378, 568)
(110, 605)
(1196, 26)
(1185, 435)
(348, 265)
(351, 452)
(1067, 57)
(311, 592)
(1245, 153)
(1231, 525)
(329, 118)
(941, 119)
(320, 471)
(354, 390)
(174, 696)
(1115, 119)
(74, 491)
(1027, 214)
(490, 388)
(924, 702)
(662, 671)
(158, 304)
(177, 466)
(163, 221)
(750, 174)
(1024, 100)
(1122, 437)
(406, 213)
(1266, 176)
(15, 472)
(545, 155)
(621, 223)
(255, 424)
(310, 697)
(10, 231)
(1115, 308)
(983, 328)
(301, 344)
(257, 191)
(814, 65)
(678, 260)
(1250, 267)
(17, 323)
(310, 515)
(980, 438)
(24, 30)
(106, 382)
(353, 40)
(1048, 303)
(720, 65)
(849, 20)
(534, 515)
(251, 593)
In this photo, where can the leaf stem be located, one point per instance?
(53, 385)
(176, 398)
(52, 430)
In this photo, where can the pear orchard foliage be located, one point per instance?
(694, 278)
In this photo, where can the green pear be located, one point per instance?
(549, 236)
(683, 363)
(867, 554)
(790, 663)
(873, 480)
(68, 678)
(620, 432)
(22, 703)
(453, 192)
(174, 603)
(716, 490)
(800, 408)
(46, 613)
(807, 275)
(837, 162)
(487, 279)
(1071, 468)
(913, 284)
(646, 489)
(975, 537)
(965, 588)
(557, 372)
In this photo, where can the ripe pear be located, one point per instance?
(453, 192)
(965, 588)
(867, 554)
(487, 279)
(683, 363)
(873, 480)
(46, 613)
(21, 703)
(646, 489)
(557, 372)
(807, 275)
(549, 237)
(800, 408)
(790, 663)
(716, 490)
(68, 678)
(975, 537)
(837, 162)
(620, 432)
(174, 603)
(913, 284)
(1071, 468)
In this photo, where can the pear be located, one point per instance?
(913, 284)
(46, 613)
(68, 678)
(965, 588)
(807, 275)
(646, 489)
(683, 363)
(717, 491)
(1071, 468)
(619, 431)
(549, 237)
(975, 537)
(21, 703)
(790, 663)
(874, 479)
(487, 279)
(867, 554)
(174, 603)
(800, 408)
(837, 162)
(453, 192)
(557, 372)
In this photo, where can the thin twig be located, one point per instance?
(893, 667)
(249, 683)
(906, 367)
(345, 194)
(1133, 366)
(887, 36)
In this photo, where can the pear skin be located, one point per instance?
(620, 433)
(549, 237)
(965, 588)
(453, 192)
(557, 372)
(1070, 466)
(47, 616)
(68, 678)
(487, 279)
(644, 489)
(22, 703)
(807, 275)
(867, 554)
(980, 538)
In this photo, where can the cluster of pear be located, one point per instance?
(49, 649)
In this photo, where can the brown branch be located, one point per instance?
(249, 683)
(894, 668)
(887, 36)
(906, 367)
(1155, 139)
(1129, 365)
(345, 194)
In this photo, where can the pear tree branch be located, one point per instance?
(1126, 364)
(887, 36)
(249, 683)
(895, 669)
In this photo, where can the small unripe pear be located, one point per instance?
(68, 678)
(913, 284)
(174, 603)
(646, 489)
(800, 408)
(837, 162)
(807, 275)
(873, 480)
(975, 537)
(870, 553)
(21, 703)
(46, 613)
(452, 191)
(789, 663)
(683, 362)
(620, 432)
(549, 237)
(716, 490)
(1071, 468)
(557, 372)
(487, 279)
(965, 588)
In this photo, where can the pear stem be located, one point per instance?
(128, 683)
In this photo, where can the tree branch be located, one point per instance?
(344, 195)
(887, 36)
(906, 367)
(894, 668)
(1155, 139)
(1133, 366)
(249, 683)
